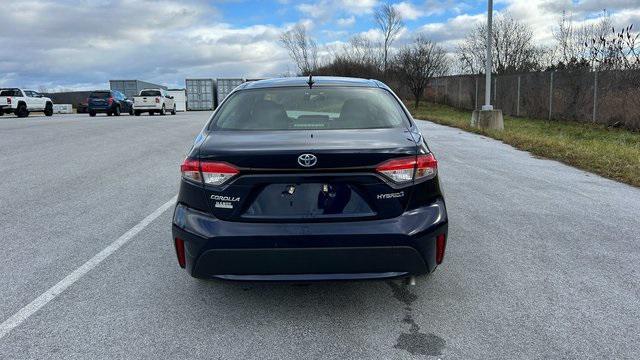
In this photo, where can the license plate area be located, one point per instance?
(308, 201)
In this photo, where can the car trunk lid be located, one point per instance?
(273, 185)
(334, 149)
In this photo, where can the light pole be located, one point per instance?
(488, 118)
(488, 62)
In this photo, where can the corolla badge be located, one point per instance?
(307, 160)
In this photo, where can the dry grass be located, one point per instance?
(612, 153)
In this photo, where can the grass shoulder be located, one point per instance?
(612, 153)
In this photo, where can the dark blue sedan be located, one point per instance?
(310, 179)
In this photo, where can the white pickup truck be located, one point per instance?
(154, 101)
(22, 102)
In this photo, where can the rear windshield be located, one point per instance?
(100, 95)
(10, 92)
(150, 93)
(297, 108)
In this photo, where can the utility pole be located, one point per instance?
(489, 59)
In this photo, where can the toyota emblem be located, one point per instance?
(307, 160)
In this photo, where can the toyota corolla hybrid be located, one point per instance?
(310, 179)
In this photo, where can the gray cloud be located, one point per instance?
(61, 44)
(77, 44)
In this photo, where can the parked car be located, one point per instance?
(111, 102)
(82, 107)
(23, 102)
(309, 179)
(154, 101)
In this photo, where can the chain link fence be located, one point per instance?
(606, 97)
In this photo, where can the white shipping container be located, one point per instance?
(131, 88)
(62, 108)
(180, 97)
(200, 94)
(225, 86)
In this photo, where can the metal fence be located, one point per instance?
(610, 97)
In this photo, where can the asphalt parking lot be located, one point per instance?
(543, 260)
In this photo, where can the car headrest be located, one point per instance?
(269, 115)
(355, 113)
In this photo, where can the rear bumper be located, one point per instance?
(394, 247)
(147, 107)
(100, 109)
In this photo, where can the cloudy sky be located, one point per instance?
(81, 44)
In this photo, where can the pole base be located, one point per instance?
(487, 119)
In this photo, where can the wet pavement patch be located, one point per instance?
(414, 342)
(402, 293)
(421, 344)
(418, 343)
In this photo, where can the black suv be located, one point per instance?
(110, 102)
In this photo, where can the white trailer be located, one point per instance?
(62, 109)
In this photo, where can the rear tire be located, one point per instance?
(92, 113)
(22, 111)
(163, 111)
(108, 113)
(136, 113)
(151, 113)
(173, 112)
(48, 109)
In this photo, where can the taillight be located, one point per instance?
(217, 173)
(441, 244)
(208, 172)
(191, 170)
(409, 168)
(426, 167)
(179, 243)
(157, 100)
(110, 101)
(9, 100)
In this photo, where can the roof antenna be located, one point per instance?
(310, 82)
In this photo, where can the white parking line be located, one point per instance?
(57, 289)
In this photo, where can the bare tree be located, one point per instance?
(303, 50)
(618, 50)
(362, 50)
(570, 38)
(514, 49)
(359, 57)
(470, 51)
(419, 62)
(617, 54)
(390, 23)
